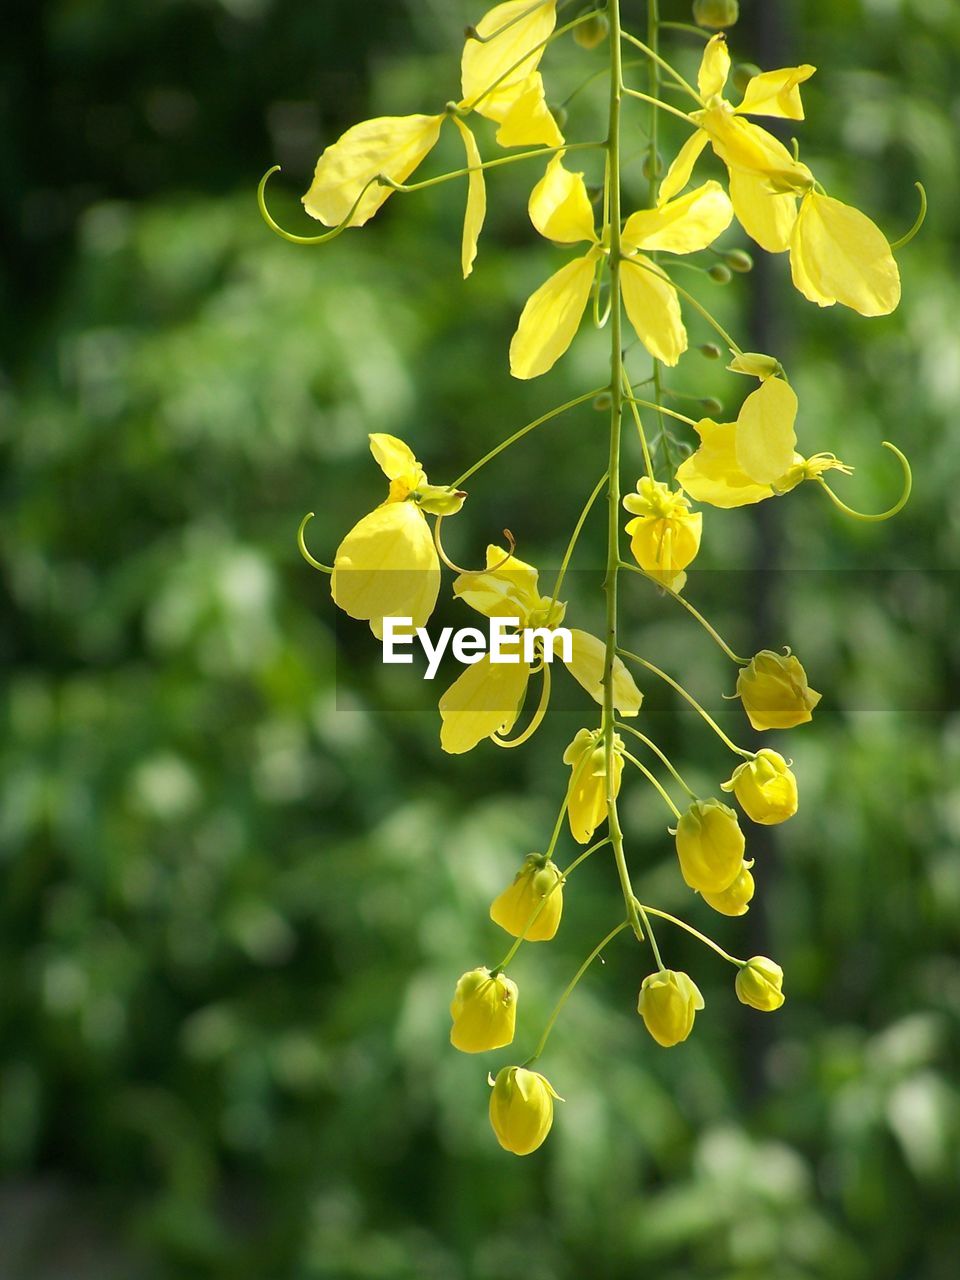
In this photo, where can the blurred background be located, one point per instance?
(239, 878)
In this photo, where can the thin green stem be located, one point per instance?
(407, 187)
(633, 403)
(688, 27)
(518, 435)
(655, 783)
(575, 538)
(324, 568)
(710, 630)
(509, 743)
(654, 57)
(571, 985)
(659, 104)
(635, 657)
(702, 937)
(648, 742)
(697, 306)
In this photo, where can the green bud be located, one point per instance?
(593, 33)
(743, 73)
(720, 274)
(602, 402)
(440, 499)
(716, 14)
(738, 260)
(711, 351)
(711, 406)
(652, 165)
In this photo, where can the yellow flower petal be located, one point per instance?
(476, 199)
(766, 215)
(713, 475)
(587, 666)
(484, 699)
(524, 117)
(559, 207)
(511, 590)
(679, 173)
(714, 67)
(740, 144)
(394, 458)
(776, 93)
(551, 318)
(838, 255)
(681, 226)
(765, 439)
(387, 566)
(521, 30)
(653, 309)
(391, 145)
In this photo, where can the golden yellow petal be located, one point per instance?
(551, 318)
(776, 93)
(391, 145)
(653, 309)
(524, 117)
(387, 566)
(680, 171)
(838, 255)
(681, 226)
(714, 67)
(486, 698)
(394, 458)
(766, 215)
(559, 207)
(712, 474)
(587, 666)
(765, 438)
(510, 590)
(476, 198)
(522, 30)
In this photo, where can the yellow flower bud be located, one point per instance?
(710, 846)
(760, 984)
(756, 365)
(765, 787)
(537, 879)
(716, 14)
(484, 1011)
(668, 1005)
(735, 899)
(593, 32)
(587, 788)
(665, 536)
(774, 691)
(521, 1109)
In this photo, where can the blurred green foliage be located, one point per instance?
(239, 878)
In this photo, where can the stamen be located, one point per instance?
(883, 515)
(324, 568)
(471, 572)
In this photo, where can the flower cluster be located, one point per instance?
(390, 564)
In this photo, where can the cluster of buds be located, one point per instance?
(389, 566)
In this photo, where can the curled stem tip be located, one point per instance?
(921, 219)
(324, 568)
(882, 515)
(492, 568)
(290, 235)
(537, 720)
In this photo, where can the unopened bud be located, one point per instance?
(716, 14)
(738, 260)
(652, 165)
(711, 406)
(593, 33)
(720, 274)
(602, 402)
(711, 351)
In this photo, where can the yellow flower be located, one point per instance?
(484, 1011)
(521, 1109)
(838, 255)
(387, 565)
(587, 788)
(710, 846)
(774, 691)
(760, 984)
(561, 211)
(665, 535)
(735, 899)
(392, 147)
(538, 881)
(668, 1004)
(487, 698)
(765, 787)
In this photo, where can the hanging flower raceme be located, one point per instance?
(387, 565)
(754, 458)
(484, 1011)
(664, 534)
(765, 788)
(774, 691)
(357, 174)
(487, 698)
(836, 253)
(668, 1004)
(561, 211)
(587, 788)
(521, 1109)
(532, 905)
